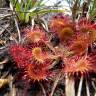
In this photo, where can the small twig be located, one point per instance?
(4, 61)
(32, 23)
(16, 23)
(19, 35)
(5, 9)
(12, 88)
(50, 47)
(80, 86)
(6, 74)
(94, 86)
(3, 47)
(52, 65)
(3, 29)
(9, 33)
(43, 90)
(87, 89)
(69, 85)
(55, 84)
(5, 16)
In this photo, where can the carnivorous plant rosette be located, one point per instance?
(86, 26)
(36, 63)
(62, 26)
(80, 44)
(32, 57)
(79, 65)
(39, 67)
(35, 35)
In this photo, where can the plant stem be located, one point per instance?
(80, 86)
(87, 89)
(43, 90)
(95, 94)
(55, 84)
(69, 86)
(16, 23)
(19, 35)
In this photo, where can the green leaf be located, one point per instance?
(92, 9)
(28, 9)
(28, 14)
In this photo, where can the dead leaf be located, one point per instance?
(3, 82)
(2, 42)
(4, 61)
(13, 35)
